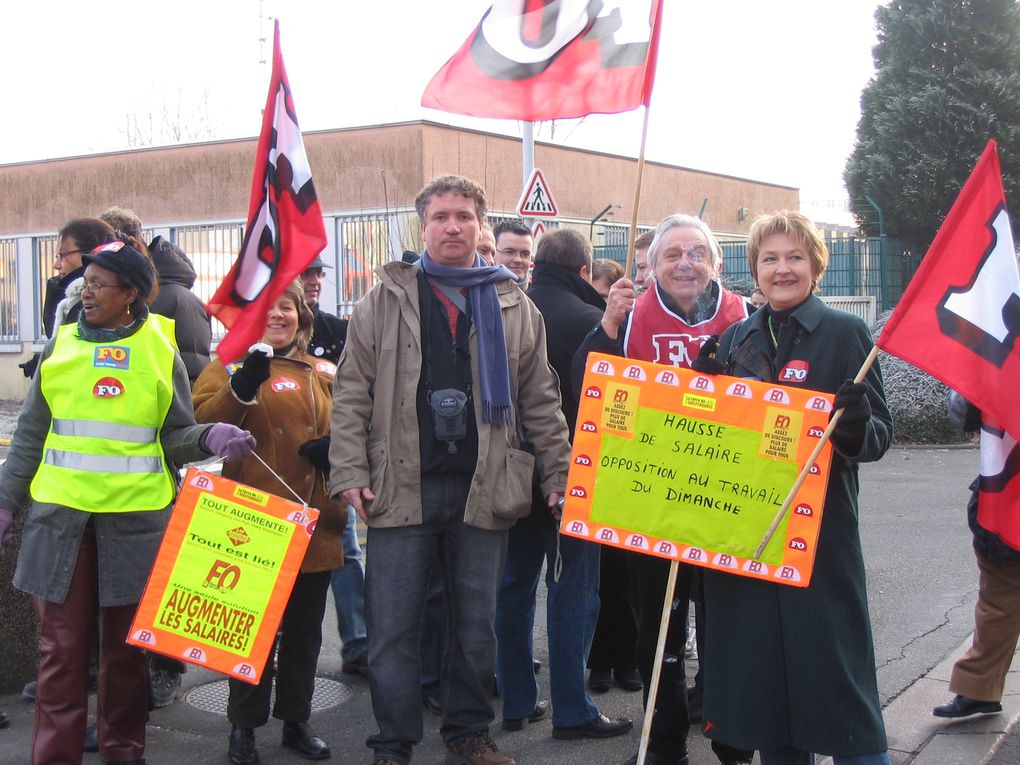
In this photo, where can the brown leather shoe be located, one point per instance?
(475, 749)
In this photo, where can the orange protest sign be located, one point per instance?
(223, 575)
(692, 467)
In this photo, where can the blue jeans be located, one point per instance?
(349, 593)
(433, 635)
(790, 756)
(396, 587)
(572, 611)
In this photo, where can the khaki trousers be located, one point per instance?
(981, 672)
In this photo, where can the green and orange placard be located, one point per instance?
(223, 575)
(693, 467)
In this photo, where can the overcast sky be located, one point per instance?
(761, 90)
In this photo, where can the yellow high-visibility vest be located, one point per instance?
(108, 402)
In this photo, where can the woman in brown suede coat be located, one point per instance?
(285, 401)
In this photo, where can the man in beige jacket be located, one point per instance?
(444, 393)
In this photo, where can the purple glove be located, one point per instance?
(229, 442)
(6, 532)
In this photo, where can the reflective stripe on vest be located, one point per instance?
(92, 429)
(100, 463)
(108, 403)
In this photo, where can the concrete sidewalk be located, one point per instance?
(918, 737)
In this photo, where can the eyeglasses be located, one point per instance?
(62, 255)
(696, 254)
(510, 252)
(95, 287)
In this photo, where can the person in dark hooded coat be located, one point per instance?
(176, 301)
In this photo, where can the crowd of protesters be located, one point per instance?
(440, 415)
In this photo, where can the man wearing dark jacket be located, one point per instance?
(570, 307)
(329, 333)
(176, 301)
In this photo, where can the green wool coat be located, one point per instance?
(787, 666)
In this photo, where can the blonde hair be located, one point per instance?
(798, 227)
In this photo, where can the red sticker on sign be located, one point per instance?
(108, 387)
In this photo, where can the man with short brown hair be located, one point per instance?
(429, 451)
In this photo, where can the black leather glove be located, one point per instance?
(706, 362)
(246, 380)
(852, 398)
(29, 367)
(317, 452)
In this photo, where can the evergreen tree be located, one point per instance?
(947, 80)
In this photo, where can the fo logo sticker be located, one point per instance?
(113, 356)
(284, 384)
(325, 367)
(108, 387)
(794, 372)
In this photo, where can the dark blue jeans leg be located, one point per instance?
(348, 585)
(433, 633)
(515, 619)
(572, 612)
(472, 562)
(396, 580)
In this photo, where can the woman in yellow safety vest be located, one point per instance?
(109, 407)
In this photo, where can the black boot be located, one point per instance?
(299, 736)
(241, 749)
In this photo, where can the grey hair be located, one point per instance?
(680, 220)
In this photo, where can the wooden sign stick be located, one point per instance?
(811, 460)
(660, 649)
(637, 201)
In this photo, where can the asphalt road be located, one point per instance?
(922, 587)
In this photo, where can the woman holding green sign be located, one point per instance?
(792, 671)
(109, 407)
(683, 307)
(284, 397)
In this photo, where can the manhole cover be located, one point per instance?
(212, 697)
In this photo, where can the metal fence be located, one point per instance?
(8, 290)
(876, 266)
(213, 249)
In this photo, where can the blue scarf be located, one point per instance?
(493, 366)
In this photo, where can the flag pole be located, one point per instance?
(528, 147)
(660, 650)
(811, 460)
(637, 197)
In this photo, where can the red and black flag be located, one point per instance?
(534, 60)
(284, 232)
(959, 321)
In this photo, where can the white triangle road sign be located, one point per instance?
(537, 201)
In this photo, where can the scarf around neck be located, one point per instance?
(493, 366)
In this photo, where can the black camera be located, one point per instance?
(449, 416)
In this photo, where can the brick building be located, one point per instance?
(366, 179)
